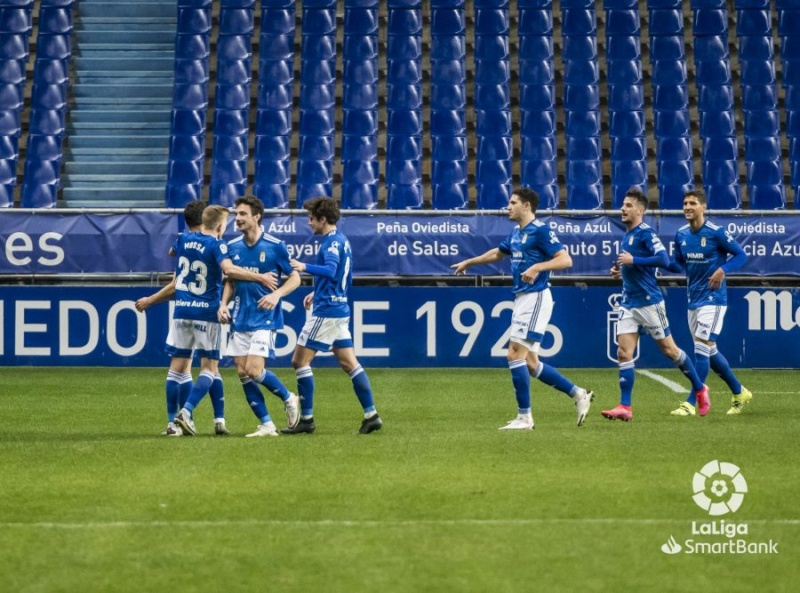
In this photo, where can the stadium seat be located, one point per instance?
(625, 72)
(360, 47)
(12, 71)
(670, 97)
(180, 195)
(317, 148)
(759, 97)
(578, 123)
(317, 96)
(715, 98)
(668, 72)
(757, 71)
(43, 147)
(10, 122)
(186, 71)
(43, 121)
(318, 47)
(236, 21)
(15, 19)
(365, 123)
(272, 195)
(359, 172)
(359, 148)
(442, 96)
(540, 172)
(674, 148)
(54, 19)
(664, 22)
(752, 22)
(535, 21)
(670, 197)
(580, 148)
(622, 47)
(229, 148)
(271, 172)
(447, 21)
(448, 172)
(717, 123)
(404, 72)
(311, 172)
(404, 47)
(277, 21)
(712, 47)
(403, 172)
(232, 96)
(671, 47)
(720, 148)
(447, 148)
(628, 149)
(272, 122)
(626, 123)
(185, 172)
(629, 173)
(490, 21)
(317, 122)
(578, 21)
(404, 21)
(710, 21)
(49, 96)
(275, 148)
(192, 46)
(193, 19)
(548, 196)
(494, 96)
(622, 22)
(671, 123)
(581, 72)
(583, 173)
(14, 46)
(318, 21)
(230, 122)
(722, 197)
(10, 96)
(493, 196)
(762, 123)
(317, 72)
(767, 197)
(405, 97)
(365, 71)
(576, 98)
(362, 196)
(39, 195)
(764, 173)
(190, 96)
(403, 197)
(403, 148)
(449, 196)
(623, 97)
(53, 47)
(713, 72)
(41, 172)
(494, 148)
(228, 172)
(494, 47)
(233, 72)
(536, 72)
(585, 197)
(720, 172)
(675, 172)
(8, 171)
(490, 122)
(443, 123)
(9, 147)
(765, 149)
(492, 172)
(7, 194)
(358, 19)
(759, 48)
(491, 71)
(576, 47)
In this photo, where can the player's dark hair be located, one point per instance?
(193, 213)
(326, 208)
(256, 205)
(637, 195)
(697, 194)
(526, 194)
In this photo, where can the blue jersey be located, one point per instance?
(198, 276)
(639, 285)
(267, 254)
(701, 253)
(533, 244)
(335, 259)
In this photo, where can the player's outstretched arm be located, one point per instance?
(490, 257)
(271, 300)
(165, 294)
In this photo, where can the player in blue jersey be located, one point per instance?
(535, 252)
(179, 377)
(202, 259)
(642, 308)
(707, 252)
(257, 313)
(328, 325)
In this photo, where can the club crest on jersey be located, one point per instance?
(630, 241)
(703, 242)
(262, 257)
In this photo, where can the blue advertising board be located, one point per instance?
(385, 244)
(393, 327)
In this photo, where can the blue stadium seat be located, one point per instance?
(317, 96)
(669, 47)
(365, 71)
(10, 122)
(230, 122)
(403, 47)
(792, 99)
(317, 148)
(758, 48)
(226, 194)
(357, 19)
(671, 196)
(44, 121)
(578, 123)
(228, 172)
(581, 72)
(671, 123)
(404, 72)
(273, 122)
(360, 148)
(490, 21)
(318, 47)
(269, 172)
(533, 21)
(493, 196)
(314, 172)
(359, 172)
(493, 172)
(710, 21)
(491, 71)
(576, 47)
(720, 172)
(543, 123)
(404, 96)
(185, 172)
(548, 196)
(622, 97)
(578, 21)
(193, 20)
(675, 172)
(674, 148)
(42, 172)
(276, 47)
(487, 47)
(715, 98)
(15, 19)
(318, 21)
(759, 96)
(9, 147)
(317, 122)
(403, 196)
(43, 147)
(447, 172)
(236, 21)
(446, 148)
(8, 172)
(192, 47)
(233, 72)
(55, 19)
(541, 46)
(14, 46)
(190, 96)
(720, 148)
(404, 21)
(712, 72)
(622, 22)
(452, 47)
(49, 96)
(576, 98)
(444, 122)
(274, 148)
(626, 123)
(540, 172)
(625, 72)
(449, 196)
(365, 123)
(403, 172)
(493, 121)
(536, 72)
(11, 96)
(585, 197)
(360, 47)
(447, 72)
(7, 194)
(584, 172)
(447, 21)
(623, 47)
(765, 172)
(580, 149)
(187, 71)
(670, 97)
(792, 124)
(717, 123)
(493, 96)
(629, 173)
(317, 72)
(12, 71)
(757, 71)
(494, 148)
(768, 197)
(230, 148)
(179, 195)
(363, 196)
(668, 72)
(714, 47)
(277, 21)
(535, 148)
(403, 148)
(790, 49)
(794, 148)
(39, 195)
(666, 22)
(753, 22)
(628, 149)
(723, 197)
(232, 96)
(442, 96)
(762, 123)
(765, 149)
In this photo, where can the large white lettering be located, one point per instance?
(19, 247)
(360, 328)
(64, 333)
(768, 306)
(24, 328)
(140, 336)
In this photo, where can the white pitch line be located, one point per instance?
(664, 381)
(362, 523)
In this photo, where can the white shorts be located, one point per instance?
(706, 322)
(323, 333)
(187, 336)
(255, 343)
(651, 319)
(532, 312)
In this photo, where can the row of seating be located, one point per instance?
(789, 33)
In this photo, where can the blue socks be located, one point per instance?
(362, 388)
(720, 366)
(270, 380)
(522, 384)
(550, 376)
(626, 380)
(254, 397)
(305, 389)
(175, 384)
(199, 390)
(217, 393)
(687, 368)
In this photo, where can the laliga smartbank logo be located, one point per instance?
(719, 488)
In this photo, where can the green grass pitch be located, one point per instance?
(92, 499)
